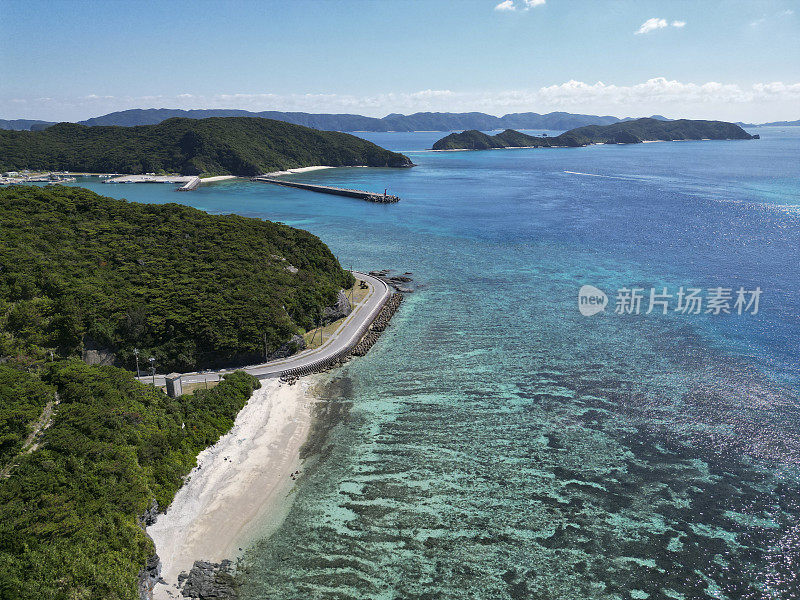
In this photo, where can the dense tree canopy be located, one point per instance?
(70, 511)
(80, 271)
(243, 146)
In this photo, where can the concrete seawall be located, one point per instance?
(189, 185)
(368, 334)
(187, 182)
(326, 189)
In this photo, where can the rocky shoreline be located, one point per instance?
(210, 581)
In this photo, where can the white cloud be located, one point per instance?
(787, 13)
(508, 5)
(651, 25)
(678, 24)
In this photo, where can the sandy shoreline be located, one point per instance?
(241, 489)
(298, 170)
(216, 178)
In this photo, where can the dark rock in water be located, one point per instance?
(210, 581)
(401, 278)
(340, 310)
(404, 290)
(293, 346)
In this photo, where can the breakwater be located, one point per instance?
(367, 338)
(327, 189)
(188, 182)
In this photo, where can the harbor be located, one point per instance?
(327, 189)
(25, 177)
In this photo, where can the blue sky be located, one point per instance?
(700, 59)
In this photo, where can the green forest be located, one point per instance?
(243, 146)
(71, 510)
(80, 272)
(87, 452)
(627, 132)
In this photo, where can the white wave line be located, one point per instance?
(596, 175)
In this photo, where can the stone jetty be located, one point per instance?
(327, 189)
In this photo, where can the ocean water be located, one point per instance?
(496, 443)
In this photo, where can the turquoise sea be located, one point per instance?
(496, 443)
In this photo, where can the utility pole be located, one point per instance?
(313, 335)
(265, 346)
(136, 354)
(352, 289)
(153, 369)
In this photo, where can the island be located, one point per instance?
(628, 132)
(242, 146)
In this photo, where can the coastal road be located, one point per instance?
(346, 336)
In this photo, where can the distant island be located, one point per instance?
(421, 121)
(773, 124)
(630, 132)
(25, 124)
(243, 146)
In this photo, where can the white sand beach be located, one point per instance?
(298, 170)
(241, 488)
(216, 178)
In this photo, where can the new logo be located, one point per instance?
(591, 300)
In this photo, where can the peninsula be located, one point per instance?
(242, 146)
(88, 452)
(629, 132)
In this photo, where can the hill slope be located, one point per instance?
(628, 132)
(79, 271)
(71, 510)
(219, 146)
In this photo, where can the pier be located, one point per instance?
(326, 189)
(187, 182)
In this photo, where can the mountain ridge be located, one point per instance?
(420, 121)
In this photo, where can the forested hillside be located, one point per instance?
(243, 146)
(71, 510)
(79, 272)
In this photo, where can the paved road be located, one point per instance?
(346, 336)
